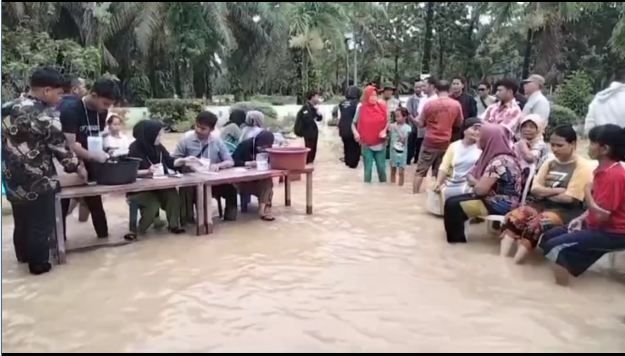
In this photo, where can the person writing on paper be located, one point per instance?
(556, 197)
(601, 229)
(531, 148)
(83, 122)
(496, 180)
(201, 143)
(458, 161)
(116, 143)
(245, 156)
(155, 162)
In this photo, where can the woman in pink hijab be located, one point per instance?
(496, 181)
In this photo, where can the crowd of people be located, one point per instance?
(483, 151)
(59, 120)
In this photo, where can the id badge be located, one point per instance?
(95, 144)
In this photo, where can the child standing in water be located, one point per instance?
(400, 131)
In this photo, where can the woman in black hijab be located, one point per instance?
(231, 132)
(245, 156)
(155, 161)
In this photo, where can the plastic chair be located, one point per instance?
(492, 219)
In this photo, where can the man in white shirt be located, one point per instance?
(608, 106)
(537, 103)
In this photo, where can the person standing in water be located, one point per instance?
(370, 128)
(400, 131)
(416, 135)
(31, 137)
(306, 124)
(347, 110)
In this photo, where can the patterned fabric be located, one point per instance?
(506, 192)
(508, 115)
(527, 224)
(31, 137)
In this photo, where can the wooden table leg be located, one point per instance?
(199, 210)
(208, 212)
(287, 190)
(309, 193)
(59, 244)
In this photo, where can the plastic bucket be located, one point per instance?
(116, 173)
(288, 158)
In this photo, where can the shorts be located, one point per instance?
(429, 158)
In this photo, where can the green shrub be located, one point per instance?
(561, 115)
(287, 124)
(575, 92)
(174, 111)
(271, 116)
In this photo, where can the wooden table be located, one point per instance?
(141, 185)
(234, 175)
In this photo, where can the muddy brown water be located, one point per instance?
(369, 271)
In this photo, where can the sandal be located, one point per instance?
(176, 230)
(130, 237)
(267, 218)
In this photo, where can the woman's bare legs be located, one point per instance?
(506, 246)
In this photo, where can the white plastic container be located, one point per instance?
(262, 162)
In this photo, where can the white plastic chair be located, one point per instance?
(492, 219)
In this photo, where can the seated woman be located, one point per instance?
(556, 197)
(231, 132)
(496, 180)
(254, 124)
(245, 156)
(531, 148)
(155, 161)
(601, 229)
(458, 161)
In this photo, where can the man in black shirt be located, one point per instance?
(306, 126)
(347, 109)
(469, 105)
(83, 122)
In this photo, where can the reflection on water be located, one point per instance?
(370, 271)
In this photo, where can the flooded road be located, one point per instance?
(369, 271)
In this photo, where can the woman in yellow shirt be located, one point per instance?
(556, 197)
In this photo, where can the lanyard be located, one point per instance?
(84, 106)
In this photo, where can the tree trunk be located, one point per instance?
(427, 42)
(441, 56)
(177, 80)
(528, 53)
(396, 79)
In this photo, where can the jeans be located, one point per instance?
(578, 250)
(34, 224)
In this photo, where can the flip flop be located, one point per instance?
(130, 237)
(267, 218)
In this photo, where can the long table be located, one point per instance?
(201, 181)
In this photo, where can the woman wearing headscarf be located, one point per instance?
(254, 124)
(370, 127)
(231, 132)
(457, 163)
(496, 180)
(155, 161)
(531, 148)
(245, 156)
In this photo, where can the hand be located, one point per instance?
(471, 180)
(98, 156)
(214, 168)
(356, 137)
(152, 168)
(437, 187)
(191, 160)
(382, 134)
(575, 224)
(82, 173)
(250, 164)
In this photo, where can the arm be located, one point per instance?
(526, 153)
(227, 161)
(355, 123)
(543, 109)
(181, 149)
(445, 167)
(578, 185)
(538, 185)
(473, 108)
(492, 174)
(59, 148)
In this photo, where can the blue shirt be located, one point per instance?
(190, 145)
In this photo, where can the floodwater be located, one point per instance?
(370, 271)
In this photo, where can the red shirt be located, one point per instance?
(608, 191)
(440, 116)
